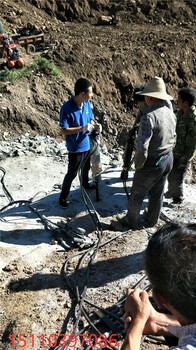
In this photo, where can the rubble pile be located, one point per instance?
(38, 145)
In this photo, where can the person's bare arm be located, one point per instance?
(70, 131)
(138, 303)
(141, 318)
(157, 322)
(134, 334)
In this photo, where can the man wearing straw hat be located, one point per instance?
(153, 156)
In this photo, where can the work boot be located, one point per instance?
(90, 186)
(177, 200)
(144, 219)
(123, 220)
(167, 195)
(62, 202)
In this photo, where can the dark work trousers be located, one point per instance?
(76, 160)
(175, 180)
(149, 180)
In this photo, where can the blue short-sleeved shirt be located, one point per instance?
(71, 115)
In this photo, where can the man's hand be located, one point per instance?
(88, 127)
(137, 312)
(156, 323)
(137, 304)
(124, 175)
(98, 127)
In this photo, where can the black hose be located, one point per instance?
(81, 298)
(125, 188)
(15, 202)
(3, 185)
(85, 196)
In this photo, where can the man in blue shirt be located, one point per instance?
(76, 122)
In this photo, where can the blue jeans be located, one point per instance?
(149, 180)
(75, 162)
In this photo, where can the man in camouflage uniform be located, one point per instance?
(185, 144)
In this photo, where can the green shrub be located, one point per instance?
(41, 65)
(45, 66)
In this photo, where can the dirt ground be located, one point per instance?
(37, 289)
(142, 39)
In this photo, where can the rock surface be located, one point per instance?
(36, 297)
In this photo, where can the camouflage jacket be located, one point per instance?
(186, 137)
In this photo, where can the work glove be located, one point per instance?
(88, 128)
(98, 127)
(124, 175)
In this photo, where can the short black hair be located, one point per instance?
(82, 85)
(170, 263)
(188, 94)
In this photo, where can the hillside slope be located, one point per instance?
(144, 39)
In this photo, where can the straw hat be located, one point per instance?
(156, 88)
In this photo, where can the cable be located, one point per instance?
(125, 188)
(160, 340)
(15, 202)
(165, 218)
(64, 268)
(3, 185)
(95, 328)
(91, 251)
(85, 196)
(81, 298)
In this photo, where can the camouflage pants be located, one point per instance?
(175, 180)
